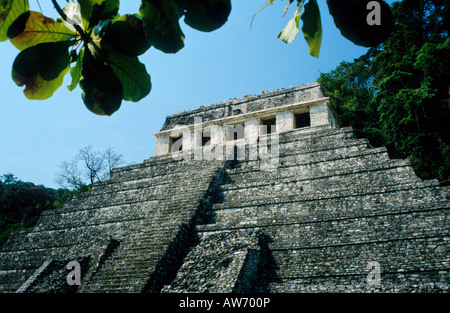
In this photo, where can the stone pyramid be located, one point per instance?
(260, 194)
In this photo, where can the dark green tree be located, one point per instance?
(397, 94)
(22, 202)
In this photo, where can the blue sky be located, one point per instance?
(236, 60)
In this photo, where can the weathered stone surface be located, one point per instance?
(247, 104)
(331, 208)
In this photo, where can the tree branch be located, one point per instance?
(77, 27)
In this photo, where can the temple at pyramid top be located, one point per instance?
(277, 111)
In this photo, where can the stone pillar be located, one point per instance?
(188, 140)
(162, 145)
(251, 127)
(319, 114)
(217, 134)
(251, 136)
(285, 121)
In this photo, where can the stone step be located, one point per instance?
(339, 153)
(154, 163)
(157, 171)
(170, 190)
(32, 259)
(349, 152)
(414, 254)
(307, 212)
(141, 252)
(10, 279)
(347, 231)
(96, 216)
(83, 235)
(131, 266)
(288, 150)
(166, 197)
(300, 147)
(330, 187)
(130, 284)
(126, 272)
(310, 206)
(142, 206)
(217, 262)
(315, 171)
(162, 181)
(432, 281)
(155, 191)
(326, 131)
(21, 260)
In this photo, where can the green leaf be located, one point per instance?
(19, 25)
(85, 11)
(312, 27)
(289, 33)
(207, 15)
(10, 10)
(102, 90)
(350, 16)
(107, 46)
(73, 12)
(136, 82)
(161, 24)
(42, 68)
(32, 28)
(90, 12)
(75, 72)
(99, 30)
(103, 10)
(95, 42)
(127, 36)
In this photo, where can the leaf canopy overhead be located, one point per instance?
(92, 41)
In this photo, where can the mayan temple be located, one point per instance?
(266, 193)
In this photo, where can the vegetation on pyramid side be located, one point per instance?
(22, 202)
(397, 94)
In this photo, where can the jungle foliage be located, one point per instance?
(397, 94)
(22, 202)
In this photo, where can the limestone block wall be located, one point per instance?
(332, 209)
(321, 115)
(125, 227)
(222, 262)
(246, 105)
(249, 113)
(285, 121)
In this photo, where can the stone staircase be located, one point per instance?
(333, 207)
(333, 210)
(146, 209)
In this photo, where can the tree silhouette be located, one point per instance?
(87, 167)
